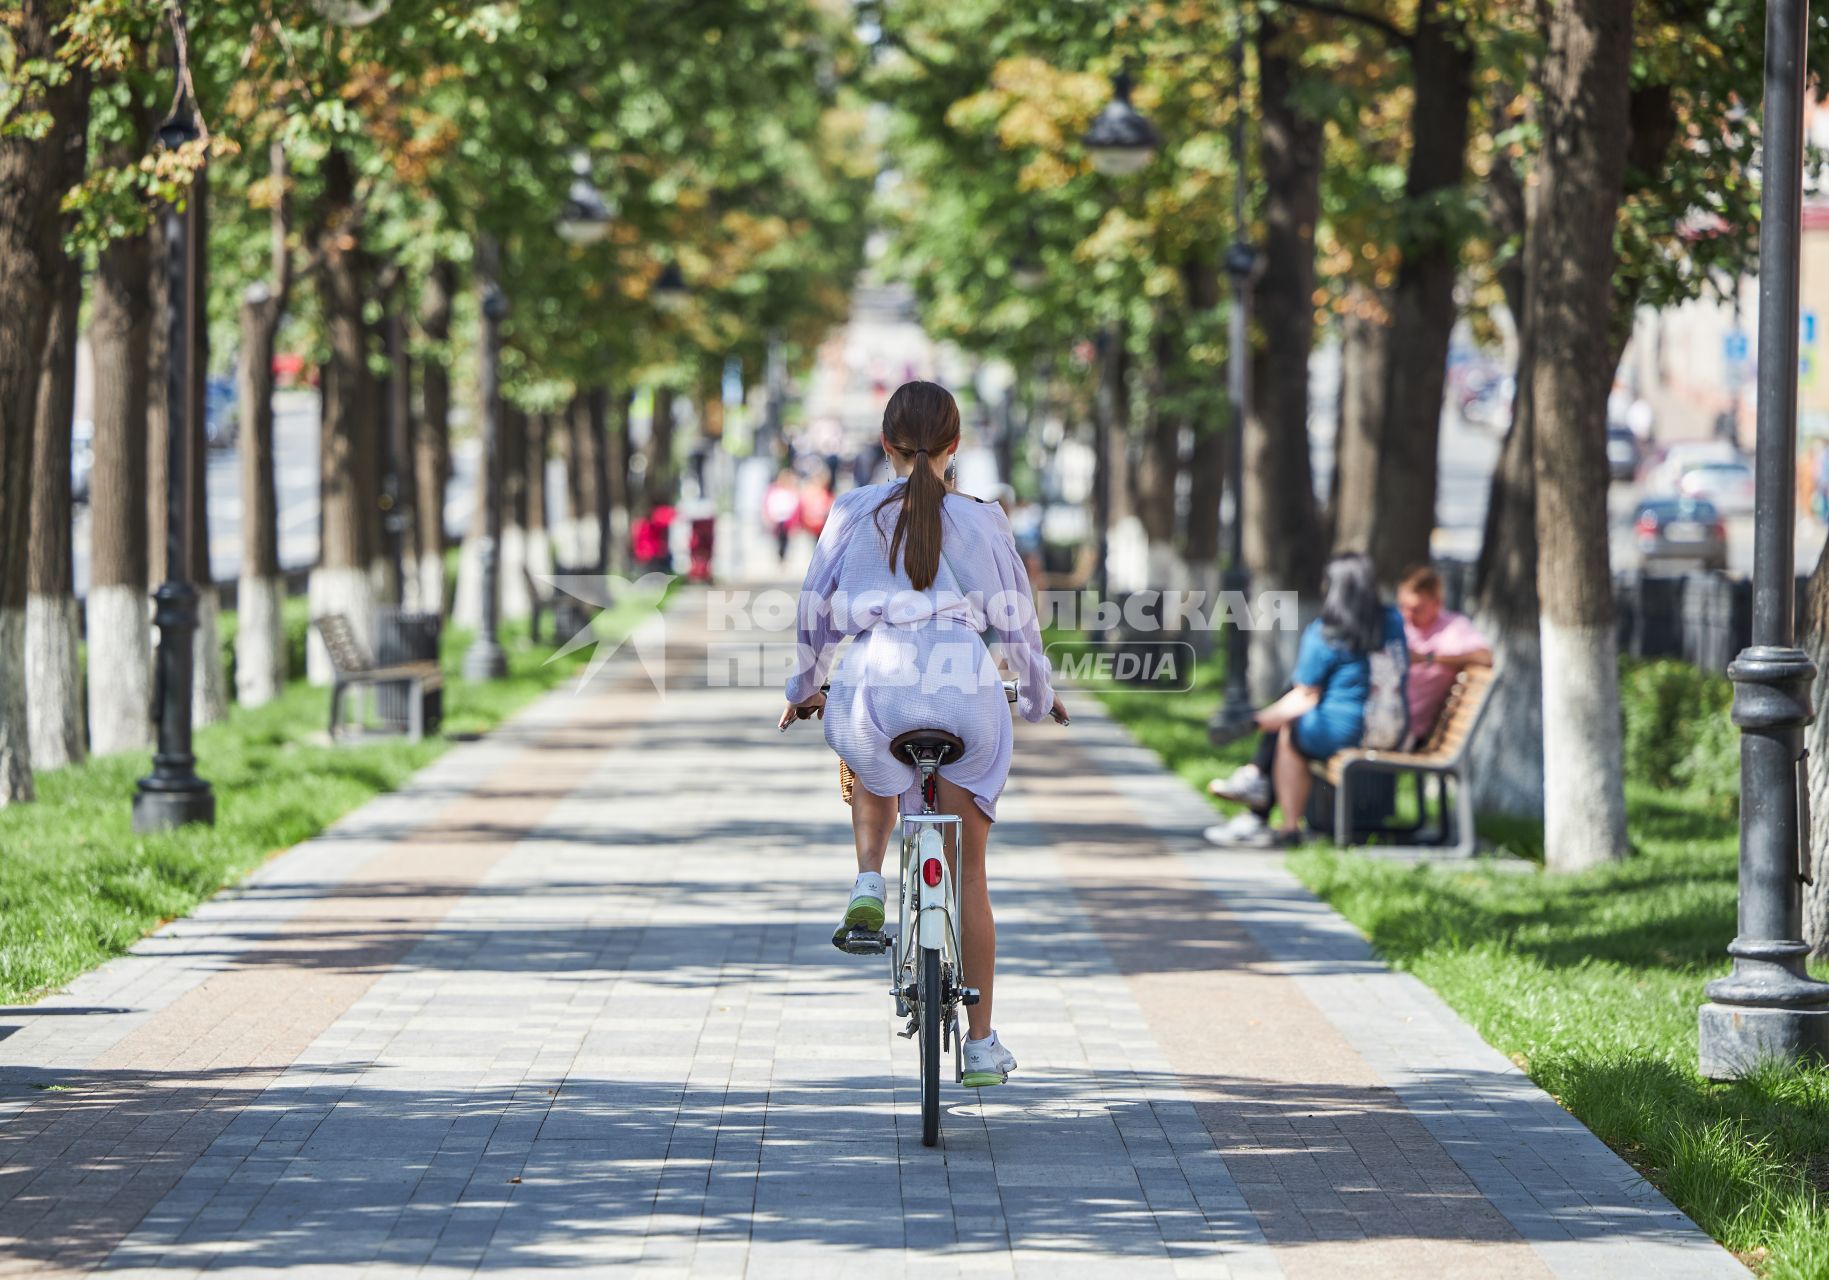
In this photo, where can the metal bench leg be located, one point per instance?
(1343, 809)
(415, 710)
(336, 705)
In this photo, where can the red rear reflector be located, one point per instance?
(930, 872)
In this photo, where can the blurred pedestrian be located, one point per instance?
(781, 509)
(651, 540)
(1442, 644)
(815, 503)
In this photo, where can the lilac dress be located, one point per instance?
(918, 660)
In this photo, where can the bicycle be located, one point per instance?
(927, 971)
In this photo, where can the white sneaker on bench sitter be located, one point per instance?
(1246, 785)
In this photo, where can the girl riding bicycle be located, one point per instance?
(916, 573)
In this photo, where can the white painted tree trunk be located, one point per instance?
(349, 591)
(1507, 753)
(1816, 741)
(53, 681)
(431, 578)
(209, 681)
(1583, 807)
(467, 600)
(15, 735)
(517, 602)
(1272, 652)
(120, 670)
(260, 640)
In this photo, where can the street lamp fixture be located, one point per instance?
(1121, 140)
(670, 291)
(585, 217)
(172, 795)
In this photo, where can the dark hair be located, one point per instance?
(921, 419)
(1352, 616)
(1423, 580)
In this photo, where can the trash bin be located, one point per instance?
(402, 635)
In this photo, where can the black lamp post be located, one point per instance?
(1120, 142)
(484, 659)
(172, 795)
(1234, 716)
(1769, 1009)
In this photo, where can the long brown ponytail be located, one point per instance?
(920, 421)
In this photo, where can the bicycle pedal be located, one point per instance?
(968, 995)
(862, 942)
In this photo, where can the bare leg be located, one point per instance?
(977, 927)
(872, 819)
(1292, 780)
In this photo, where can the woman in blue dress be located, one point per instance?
(1347, 690)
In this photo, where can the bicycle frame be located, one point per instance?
(929, 917)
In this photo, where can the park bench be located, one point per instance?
(1441, 756)
(355, 669)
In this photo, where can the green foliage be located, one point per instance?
(1678, 732)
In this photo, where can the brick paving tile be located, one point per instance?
(568, 1001)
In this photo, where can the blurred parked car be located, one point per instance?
(82, 458)
(1624, 453)
(1727, 486)
(1688, 529)
(1667, 474)
(220, 419)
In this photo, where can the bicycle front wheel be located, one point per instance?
(932, 1015)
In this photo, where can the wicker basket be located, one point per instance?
(847, 781)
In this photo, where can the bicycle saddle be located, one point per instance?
(925, 740)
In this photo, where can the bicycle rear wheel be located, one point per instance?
(932, 1014)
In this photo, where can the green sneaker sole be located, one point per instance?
(866, 913)
(982, 1079)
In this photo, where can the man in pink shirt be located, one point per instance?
(1442, 643)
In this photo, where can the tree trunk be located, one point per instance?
(432, 453)
(1814, 628)
(1364, 349)
(1508, 753)
(539, 543)
(658, 477)
(342, 582)
(209, 682)
(54, 710)
(517, 600)
(1569, 308)
(1282, 525)
(119, 627)
(30, 230)
(585, 421)
(260, 639)
(402, 467)
(1422, 302)
(618, 450)
(1159, 467)
(1206, 463)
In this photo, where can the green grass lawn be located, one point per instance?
(1591, 982)
(77, 886)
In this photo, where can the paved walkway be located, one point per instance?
(568, 1001)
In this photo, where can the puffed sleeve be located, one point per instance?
(817, 633)
(1011, 613)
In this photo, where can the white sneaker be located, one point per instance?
(1005, 1058)
(984, 1063)
(1247, 786)
(864, 908)
(1243, 829)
